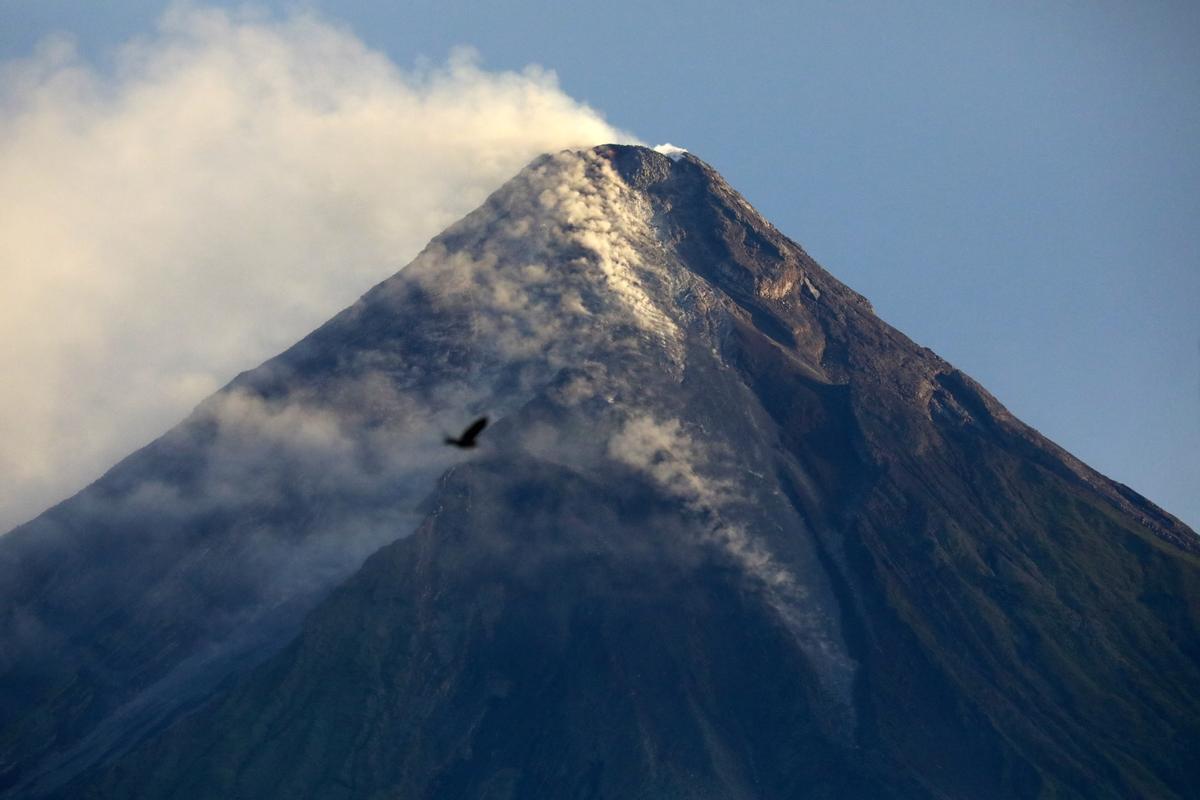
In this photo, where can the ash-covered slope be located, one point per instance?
(732, 536)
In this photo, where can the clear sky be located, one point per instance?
(1015, 185)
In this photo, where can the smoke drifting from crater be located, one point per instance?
(227, 185)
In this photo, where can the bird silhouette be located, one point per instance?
(467, 438)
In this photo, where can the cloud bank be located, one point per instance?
(228, 184)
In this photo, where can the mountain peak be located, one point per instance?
(640, 167)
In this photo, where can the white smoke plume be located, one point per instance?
(669, 453)
(232, 181)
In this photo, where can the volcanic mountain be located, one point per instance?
(729, 535)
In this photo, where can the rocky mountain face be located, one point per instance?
(729, 536)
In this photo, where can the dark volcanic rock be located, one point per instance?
(731, 536)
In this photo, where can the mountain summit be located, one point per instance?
(729, 535)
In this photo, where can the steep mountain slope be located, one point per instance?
(732, 536)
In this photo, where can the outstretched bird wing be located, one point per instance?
(468, 436)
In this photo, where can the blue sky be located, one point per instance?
(1015, 185)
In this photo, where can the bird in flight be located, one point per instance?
(467, 438)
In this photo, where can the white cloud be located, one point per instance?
(671, 151)
(228, 185)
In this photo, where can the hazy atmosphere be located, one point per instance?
(186, 190)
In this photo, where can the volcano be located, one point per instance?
(728, 535)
